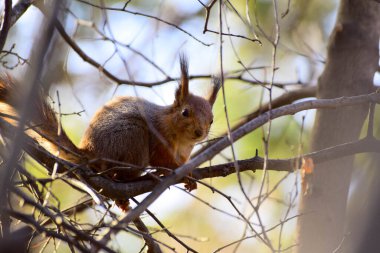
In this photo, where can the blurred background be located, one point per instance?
(142, 43)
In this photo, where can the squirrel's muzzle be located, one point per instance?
(198, 133)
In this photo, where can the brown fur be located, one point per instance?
(141, 133)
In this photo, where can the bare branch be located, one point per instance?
(235, 35)
(62, 222)
(5, 53)
(188, 249)
(208, 10)
(240, 132)
(284, 99)
(152, 245)
(91, 61)
(6, 24)
(27, 219)
(253, 236)
(19, 9)
(25, 111)
(144, 15)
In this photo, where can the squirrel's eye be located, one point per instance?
(212, 121)
(185, 112)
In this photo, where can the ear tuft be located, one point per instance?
(217, 83)
(183, 90)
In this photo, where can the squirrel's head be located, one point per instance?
(193, 114)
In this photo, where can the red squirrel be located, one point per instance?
(130, 130)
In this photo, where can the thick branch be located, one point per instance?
(362, 146)
(117, 190)
(122, 190)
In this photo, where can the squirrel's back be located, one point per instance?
(123, 130)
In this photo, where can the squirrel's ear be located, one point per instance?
(183, 89)
(217, 83)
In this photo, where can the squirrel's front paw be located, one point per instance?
(123, 204)
(190, 184)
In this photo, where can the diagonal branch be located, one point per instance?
(240, 132)
(11, 16)
(284, 99)
(91, 61)
(6, 24)
(19, 9)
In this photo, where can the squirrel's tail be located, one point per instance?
(43, 127)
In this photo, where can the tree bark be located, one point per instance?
(352, 60)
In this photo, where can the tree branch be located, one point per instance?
(170, 234)
(284, 99)
(27, 219)
(240, 132)
(19, 9)
(127, 190)
(144, 15)
(152, 245)
(64, 223)
(119, 81)
(6, 24)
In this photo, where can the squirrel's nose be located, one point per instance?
(198, 133)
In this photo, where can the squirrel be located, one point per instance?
(129, 130)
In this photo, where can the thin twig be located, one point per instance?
(230, 138)
(147, 16)
(170, 234)
(27, 219)
(62, 221)
(254, 236)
